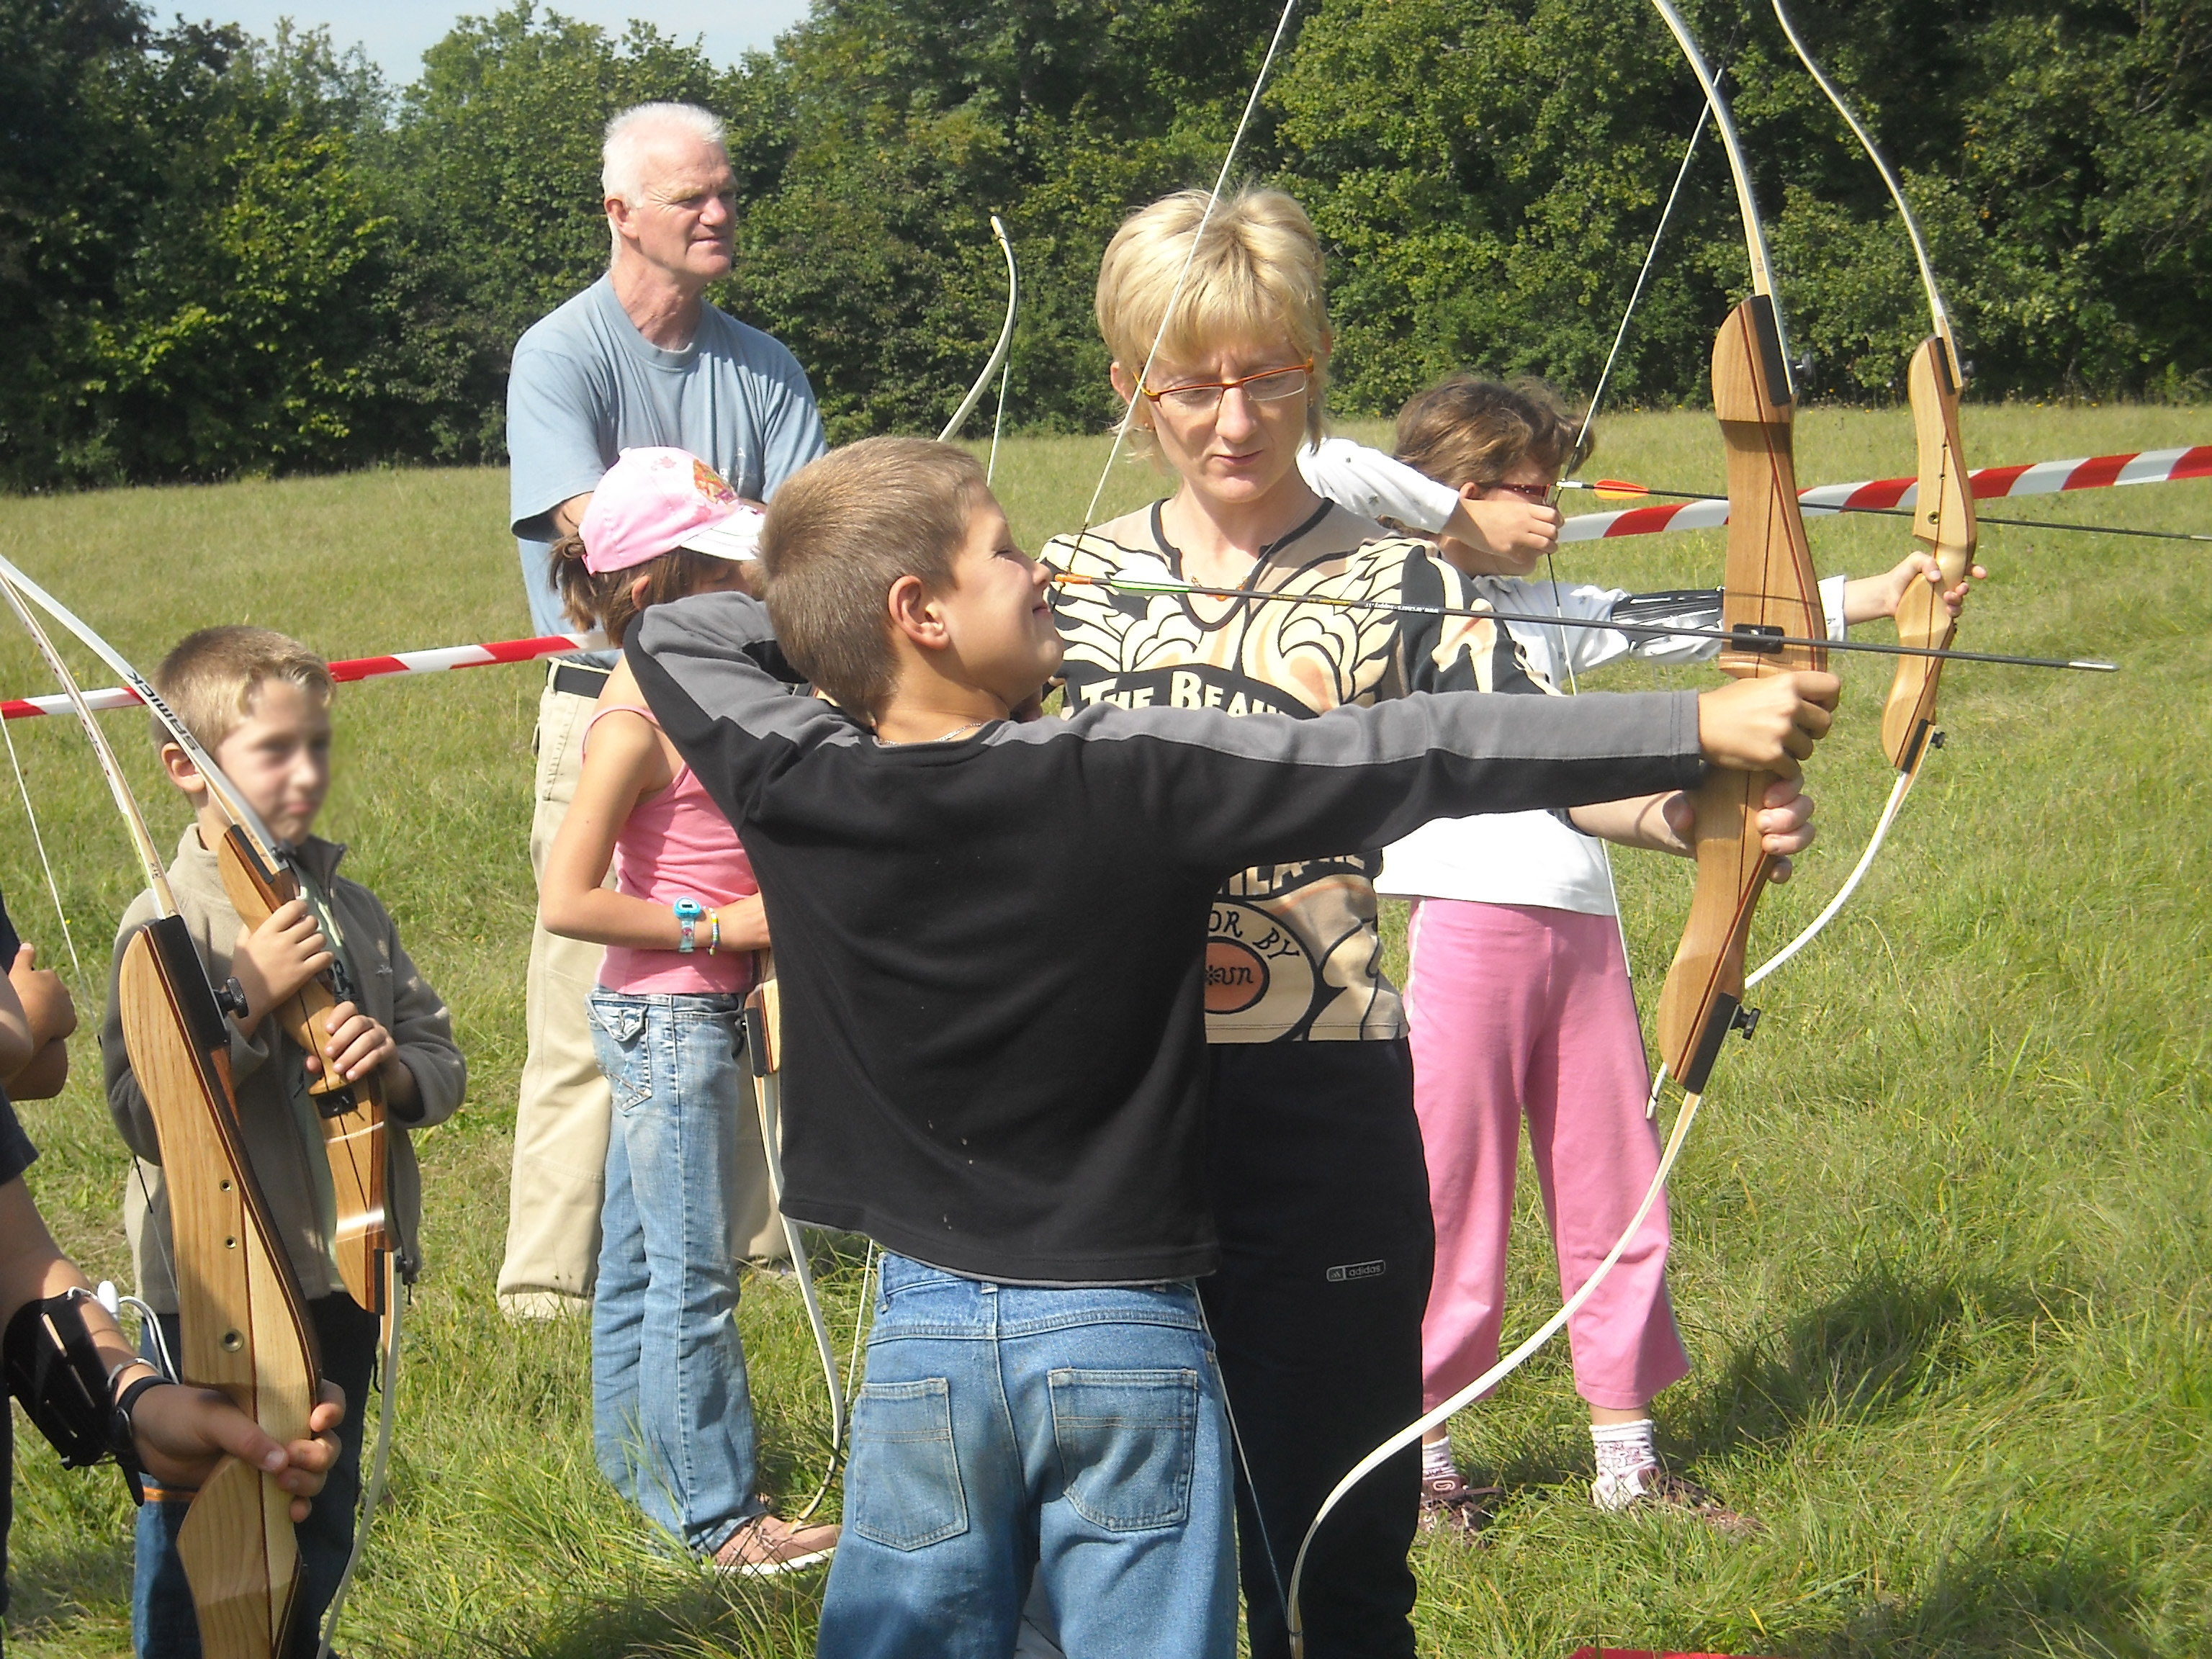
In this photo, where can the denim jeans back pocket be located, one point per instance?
(905, 1490)
(1126, 1441)
(621, 1040)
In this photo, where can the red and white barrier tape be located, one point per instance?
(355, 668)
(1989, 483)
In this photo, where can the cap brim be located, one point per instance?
(736, 538)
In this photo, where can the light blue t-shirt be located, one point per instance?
(586, 386)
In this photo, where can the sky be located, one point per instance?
(395, 32)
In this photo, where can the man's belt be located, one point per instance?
(579, 679)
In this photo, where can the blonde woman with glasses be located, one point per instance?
(1320, 1189)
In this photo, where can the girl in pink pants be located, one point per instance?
(1518, 1002)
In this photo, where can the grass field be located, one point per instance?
(1944, 1258)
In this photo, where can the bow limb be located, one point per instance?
(258, 874)
(1943, 519)
(242, 1318)
(763, 1019)
(998, 351)
(1770, 590)
(1943, 522)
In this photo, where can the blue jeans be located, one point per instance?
(163, 1624)
(671, 1416)
(1074, 1437)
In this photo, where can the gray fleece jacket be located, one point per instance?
(270, 1078)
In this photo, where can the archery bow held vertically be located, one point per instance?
(1770, 593)
(1943, 525)
(241, 1313)
(258, 875)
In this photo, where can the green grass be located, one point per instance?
(1942, 1260)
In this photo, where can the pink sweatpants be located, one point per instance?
(1521, 1009)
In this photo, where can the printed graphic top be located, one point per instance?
(991, 949)
(1291, 952)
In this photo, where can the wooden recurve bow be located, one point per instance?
(1770, 592)
(258, 875)
(239, 1311)
(1943, 525)
(351, 1112)
(1943, 508)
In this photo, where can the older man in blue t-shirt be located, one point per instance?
(638, 358)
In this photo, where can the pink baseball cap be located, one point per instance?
(654, 500)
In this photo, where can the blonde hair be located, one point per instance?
(211, 678)
(839, 531)
(1465, 429)
(1257, 275)
(609, 600)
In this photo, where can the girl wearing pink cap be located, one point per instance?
(671, 1416)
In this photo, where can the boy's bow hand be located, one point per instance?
(277, 958)
(183, 1431)
(1767, 723)
(1786, 822)
(358, 1045)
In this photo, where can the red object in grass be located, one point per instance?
(1646, 1653)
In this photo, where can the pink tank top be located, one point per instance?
(678, 845)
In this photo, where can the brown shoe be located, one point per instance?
(1449, 1505)
(767, 1544)
(1662, 1489)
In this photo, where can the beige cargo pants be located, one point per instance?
(559, 1174)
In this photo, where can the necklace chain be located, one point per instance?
(908, 742)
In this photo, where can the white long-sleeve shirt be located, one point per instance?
(1520, 858)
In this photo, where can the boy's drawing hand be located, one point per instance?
(1870, 597)
(182, 1432)
(358, 1045)
(277, 958)
(1767, 723)
(1786, 822)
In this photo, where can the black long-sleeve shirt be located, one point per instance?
(994, 952)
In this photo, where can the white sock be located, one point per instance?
(1626, 1457)
(1436, 1461)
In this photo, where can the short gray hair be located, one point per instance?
(621, 156)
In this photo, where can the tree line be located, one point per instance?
(221, 254)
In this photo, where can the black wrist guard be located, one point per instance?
(53, 1367)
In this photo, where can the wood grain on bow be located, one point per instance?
(351, 1112)
(238, 1307)
(353, 1134)
(240, 1315)
(1770, 591)
(1943, 525)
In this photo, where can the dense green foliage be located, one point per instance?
(221, 255)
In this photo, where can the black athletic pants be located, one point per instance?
(1321, 1199)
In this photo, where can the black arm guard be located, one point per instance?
(53, 1367)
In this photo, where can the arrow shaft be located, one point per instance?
(1742, 640)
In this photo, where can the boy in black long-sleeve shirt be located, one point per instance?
(991, 935)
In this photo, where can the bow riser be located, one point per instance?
(352, 1114)
(1772, 592)
(1943, 525)
(239, 1306)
